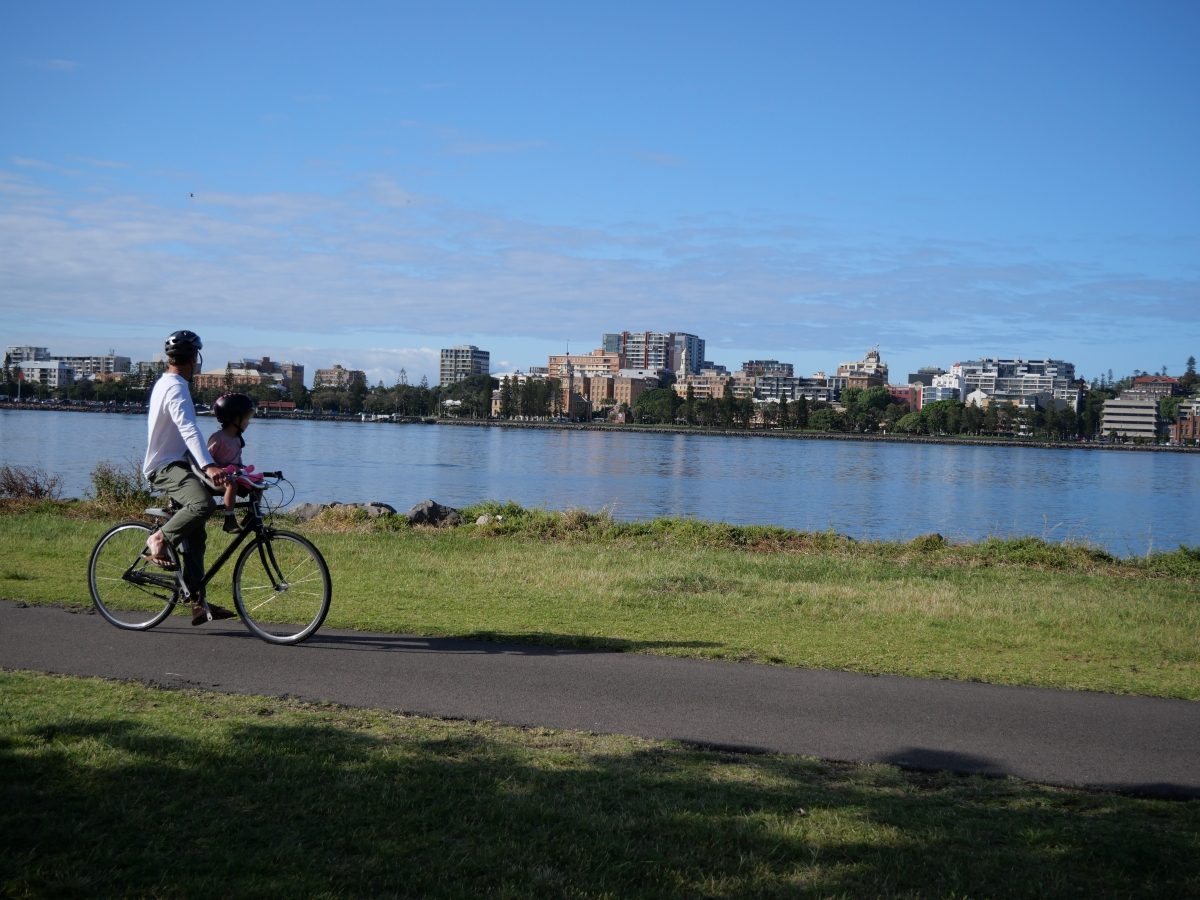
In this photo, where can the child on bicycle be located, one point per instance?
(234, 412)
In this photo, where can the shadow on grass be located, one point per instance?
(529, 642)
(120, 807)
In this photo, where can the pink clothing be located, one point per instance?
(226, 450)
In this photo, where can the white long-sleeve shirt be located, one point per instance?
(173, 429)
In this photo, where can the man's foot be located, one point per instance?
(199, 616)
(231, 524)
(156, 551)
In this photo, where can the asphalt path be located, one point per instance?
(1141, 745)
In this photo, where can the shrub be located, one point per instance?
(28, 483)
(119, 486)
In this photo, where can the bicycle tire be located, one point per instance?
(267, 592)
(130, 594)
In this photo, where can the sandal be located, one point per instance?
(163, 562)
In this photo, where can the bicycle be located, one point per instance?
(281, 592)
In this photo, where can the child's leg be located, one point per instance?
(231, 524)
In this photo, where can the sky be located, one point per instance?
(366, 183)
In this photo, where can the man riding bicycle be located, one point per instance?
(173, 435)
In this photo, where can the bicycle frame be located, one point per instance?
(252, 525)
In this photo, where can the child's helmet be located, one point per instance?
(231, 407)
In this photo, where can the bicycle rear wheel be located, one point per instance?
(126, 589)
(281, 588)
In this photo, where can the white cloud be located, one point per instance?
(379, 259)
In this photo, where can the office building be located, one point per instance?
(462, 362)
(1131, 416)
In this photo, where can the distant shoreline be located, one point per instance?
(954, 440)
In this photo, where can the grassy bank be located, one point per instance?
(119, 790)
(1016, 612)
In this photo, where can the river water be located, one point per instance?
(1125, 502)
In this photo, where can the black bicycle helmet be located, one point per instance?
(231, 407)
(183, 343)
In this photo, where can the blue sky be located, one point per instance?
(798, 181)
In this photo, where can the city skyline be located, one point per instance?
(789, 181)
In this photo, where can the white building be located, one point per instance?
(25, 353)
(947, 386)
(50, 373)
(1020, 381)
(462, 362)
(90, 366)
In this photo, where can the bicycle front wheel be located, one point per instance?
(281, 588)
(126, 589)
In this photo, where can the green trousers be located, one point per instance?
(197, 504)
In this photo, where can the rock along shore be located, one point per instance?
(678, 430)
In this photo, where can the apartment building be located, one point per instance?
(676, 351)
(91, 366)
(1020, 381)
(26, 353)
(947, 386)
(870, 371)
(596, 364)
(1131, 416)
(337, 377)
(462, 362)
(704, 387)
(48, 373)
(772, 367)
(81, 366)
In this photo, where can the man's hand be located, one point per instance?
(217, 474)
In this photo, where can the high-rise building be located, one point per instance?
(677, 352)
(462, 362)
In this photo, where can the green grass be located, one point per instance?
(1016, 612)
(118, 790)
